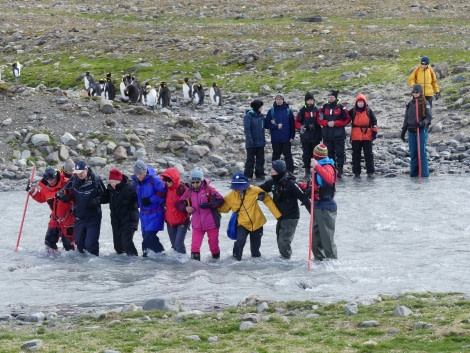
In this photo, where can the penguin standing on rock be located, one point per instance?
(198, 94)
(109, 89)
(151, 96)
(215, 94)
(16, 68)
(187, 91)
(164, 96)
(88, 80)
(122, 88)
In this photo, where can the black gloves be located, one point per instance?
(204, 205)
(145, 201)
(261, 196)
(374, 135)
(437, 95)
(62, 196)
(403, 132)
(29, 187)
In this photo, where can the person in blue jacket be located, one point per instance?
(253, 124)
(88, 189)
(280, 122)
(151, 193)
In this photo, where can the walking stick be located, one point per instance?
(25, 207)
(312, 208)
(418, 139)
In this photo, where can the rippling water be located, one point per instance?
(393, 236)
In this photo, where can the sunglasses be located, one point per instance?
(167, 180)
(424, 64)
(415, 92)
(195, 182)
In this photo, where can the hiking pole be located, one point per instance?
(418, 140)
(25, 207)
(312, 208)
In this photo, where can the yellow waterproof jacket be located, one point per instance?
(426, 78)
(250, 215)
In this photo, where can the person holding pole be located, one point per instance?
(61, 221)
(324, 176)
(418, 117)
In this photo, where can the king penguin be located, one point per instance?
(215, 94)
(164, 96)
(151, 96)
(198, 94)
(88, 80)
(109, 89)
(16, 68)
(133, 93)
(122, 88)
(187, 92)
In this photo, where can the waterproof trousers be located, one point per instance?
(87, 235)
(323, 244)
(177, 234)
(123, 242)
(151, 242)
(284, 148)
(212, 239)
(254, 161)
(357, 147)
(255, 242)
(413, 148)
(285, 230)
(336, 150)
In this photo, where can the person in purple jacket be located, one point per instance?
(201, 201)
(151, 193)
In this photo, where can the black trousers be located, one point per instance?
(357, 147)
(336, 151)
(255, 242)
(254, 160)
(284, 148)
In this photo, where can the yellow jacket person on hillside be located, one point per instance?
(425, 76)
(244, 199)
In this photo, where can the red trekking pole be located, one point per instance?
(312, 208)
(25, 207)
(418, 139)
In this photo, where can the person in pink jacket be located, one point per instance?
(201, 201)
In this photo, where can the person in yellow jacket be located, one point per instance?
(425, 76)
(244, 198)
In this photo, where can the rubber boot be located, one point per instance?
(196, 256)
(340, 170)
(216, 256)
(237, 253)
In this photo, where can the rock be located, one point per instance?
(40, 140)
(402, 311)
(246, 325)
(161, 304)
(33, 345)
(106, 106)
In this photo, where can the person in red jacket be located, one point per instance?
(177, 222)
(60, 201)
(333, 118)
(363, 130)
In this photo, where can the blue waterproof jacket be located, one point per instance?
(281, 114)
(152, 187)
(253, 124)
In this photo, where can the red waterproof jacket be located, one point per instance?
(173, 216)
(364, 122)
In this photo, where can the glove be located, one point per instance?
(92, 203)
(437, 95)
(145, 201)
(29, 187)
(62, 196)
(261, 196)
(374, 135)
(204, 205)
(403, 132)
(302, 129)
(422, 124)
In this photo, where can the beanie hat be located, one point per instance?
(425, 59)
(239, 182)
(196, 174)
(49, 173)
(320, 151)
(308, 96)
(256, 104)
(279, 95)
(333, 93)
(140, 167)
(417, 88)
(115, 174)
(69, 165)
(279, 166)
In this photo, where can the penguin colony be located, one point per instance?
(133, 92)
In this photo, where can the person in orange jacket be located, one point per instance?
(363, 131)
(60, 201)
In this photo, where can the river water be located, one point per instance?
(394, 235)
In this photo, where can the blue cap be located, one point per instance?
(49, 173)
(239, 182)
(425, 59)
(80, 166)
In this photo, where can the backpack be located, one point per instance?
(289, 111)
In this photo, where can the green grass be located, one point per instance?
(332, 331)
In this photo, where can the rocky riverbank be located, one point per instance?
(44, 126)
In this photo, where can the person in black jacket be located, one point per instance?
(310, 131)
(286, 192)
(87, 191)
(255, 141)
(122, 201)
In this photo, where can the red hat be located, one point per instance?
(115, 174)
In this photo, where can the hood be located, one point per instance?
(174, 175)
(362, 97)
